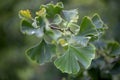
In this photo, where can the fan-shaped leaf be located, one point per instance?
(74, 28)
(57, 19)
(51, 36)
(68, 62)
(87, 27)
(71, 15)
(79, 40)
(97, 21)
(52, 9)
(27, 28)
(42, 53)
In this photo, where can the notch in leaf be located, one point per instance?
(42, 53)
(69, 61)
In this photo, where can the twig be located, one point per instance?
(54, 27)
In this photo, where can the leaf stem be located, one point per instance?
(55, 28)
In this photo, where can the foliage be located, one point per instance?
(61, 38)
(14, 64)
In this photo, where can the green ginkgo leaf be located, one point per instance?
(42, 53)
(74, 28)
(71, 15)
(52, 10)
(87, 27)
(57, 19)
(97, 21)
(113, 49)
(100, 26)
(38, 22)
(28, 29)
(79, 41)
(69, 61)
(51, 36)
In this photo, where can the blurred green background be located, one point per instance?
(14, 65)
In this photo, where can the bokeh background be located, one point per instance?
(14, 65)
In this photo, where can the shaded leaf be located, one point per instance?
(57, 19)
(27, 28)
(52, 35)
(74, 28)
(100, 26)
(97, 21)
(63, 24)
(71, 15)
(42, 53)
(38, 22)
(116, 68)
(113, 48)
(60, 49)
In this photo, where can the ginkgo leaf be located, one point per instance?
(69, 61)
(79, 41)
(57, 19)
(25, 14)
(52, 10)
(87, 27)
(71, 15)
(52, 35)
(97, 21)
(38, 22)
(42, 53)
(100, 26)
(41, 12)
(63, 24)
(113, 49)
(27, 28)
(74, 28)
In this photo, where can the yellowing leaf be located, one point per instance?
(62, 42)
(25, 14)
(52, 9)
(41, 12)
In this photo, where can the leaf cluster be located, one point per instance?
(62, 39)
